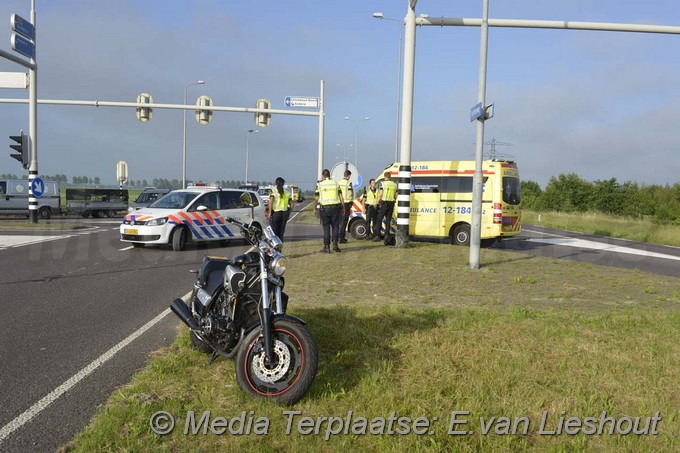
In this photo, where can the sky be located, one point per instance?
(599, 104)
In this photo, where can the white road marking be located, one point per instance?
(51, 397)
(18, 241)
(126, 248)
(583, 243)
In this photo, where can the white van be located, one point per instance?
(14, 198)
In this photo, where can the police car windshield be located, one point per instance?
(175, 200)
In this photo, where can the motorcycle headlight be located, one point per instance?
(157, 222)
(278, 265)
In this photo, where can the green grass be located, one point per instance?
(415, 332)
(606, 225)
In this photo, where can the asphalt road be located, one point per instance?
(601, 250)
(68, 298)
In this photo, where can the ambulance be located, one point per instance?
(441, 201)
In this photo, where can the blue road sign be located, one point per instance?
(38, 187)
(23, 45)
(476, 112)
(360, 182)
(301, 101)
(22, 26)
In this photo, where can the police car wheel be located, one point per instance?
(179, 239)
(358, 229)
(461, 235)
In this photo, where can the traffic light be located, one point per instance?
(144, 114)
(204, 116)
(263, 119)
(22, 147)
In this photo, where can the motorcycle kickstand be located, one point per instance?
(213, 356)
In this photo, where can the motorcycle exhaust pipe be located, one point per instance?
(179, 308)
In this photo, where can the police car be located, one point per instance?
(195, 214)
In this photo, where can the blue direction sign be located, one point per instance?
(38, 187)
(23, 45)
(476, 112)
(301, 101)
(22, 26)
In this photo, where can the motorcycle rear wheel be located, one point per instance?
(291, 375)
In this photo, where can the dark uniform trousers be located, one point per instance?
(330, 218)
(344, 219)
(385, 211)
(278, 223)
(371, 213)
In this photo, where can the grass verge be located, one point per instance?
(606, 225)
(414, 332)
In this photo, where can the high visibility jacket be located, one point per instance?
(389, 190)
(370, 196)
(327, 190)
(279, 202)
(347, 190)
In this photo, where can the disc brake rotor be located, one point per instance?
(278, 371)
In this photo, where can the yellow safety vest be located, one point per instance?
(280, 201)
(346, 187)
(389, 189)
(328, 192)
(371, 196)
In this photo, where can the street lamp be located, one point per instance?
(356, 139)
(380, 15)
(184, 139)
(250, 131)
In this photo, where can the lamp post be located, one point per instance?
(380, 15)
(250, 131)
(184, 136)
(356, 139)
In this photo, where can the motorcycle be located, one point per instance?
(238, 309)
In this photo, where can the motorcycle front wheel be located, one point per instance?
(290, 375)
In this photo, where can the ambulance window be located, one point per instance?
(459, 184)
(3, 188)
(511, 190)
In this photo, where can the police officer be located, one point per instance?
(387, 194)
(328, 200)
(280, 205)
(369, 200)
(348, 196)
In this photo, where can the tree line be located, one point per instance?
(570, 193)
(161, 183)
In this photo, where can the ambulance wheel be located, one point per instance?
(179, 239)
(359, 229)
(45, 213)
(461, 235)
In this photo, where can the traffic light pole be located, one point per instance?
(33, 127)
